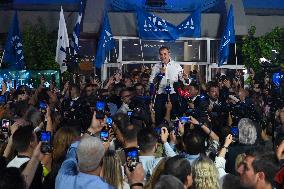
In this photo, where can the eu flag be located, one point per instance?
(106, 43)
(74, 45)
(13, 52)
(227, 39)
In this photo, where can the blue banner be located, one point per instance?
(227, 39)
(74, 45)
(153, 27)
(46, 2)
(13, 52)
(190, 27)
(106, 43)
(166, 5)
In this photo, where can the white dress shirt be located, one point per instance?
(173, 73)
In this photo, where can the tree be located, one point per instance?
(39, 46)
(254, 48)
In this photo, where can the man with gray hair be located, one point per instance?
(89, 151)
(246, 141)
(247, 131)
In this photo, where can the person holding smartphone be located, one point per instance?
(25, 142)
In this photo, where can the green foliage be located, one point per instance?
(254, 48)
(39, 47)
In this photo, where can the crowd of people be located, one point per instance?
(149, 128)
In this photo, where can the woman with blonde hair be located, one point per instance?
(112, 170)
(205, 174)
(61, 142)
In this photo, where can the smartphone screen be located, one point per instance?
(100, 106)
(235, 133)
(109, 122)
(132, 158)
(184, 119)
(42, 106)
(129, 113)
(104, 135)
(2, 99)
(45, 138)
(158, 130)
(5, 126)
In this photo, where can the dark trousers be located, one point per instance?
(160, 109)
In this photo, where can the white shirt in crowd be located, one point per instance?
(173, 73)
(18, 162)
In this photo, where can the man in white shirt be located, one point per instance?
(147, 141)
(167, 72)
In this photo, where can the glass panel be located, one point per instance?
(182, 51)
(113, 55)
(214, 47)
(131, 50)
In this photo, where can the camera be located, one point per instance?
(132, 158)
(45, 138)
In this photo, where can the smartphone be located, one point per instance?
(45, 138)
(100, 108)
(104, 135)
(42, 106)
(109, 122)
(184, 119)
(158, 131)
(129, 113)
(235, 133)
(132, 158)
(2, 99)
(5, 127)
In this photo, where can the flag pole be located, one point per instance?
(236, 55)
(2, 58)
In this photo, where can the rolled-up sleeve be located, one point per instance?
(220, 163)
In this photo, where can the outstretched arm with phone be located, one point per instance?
(207, 130)
(135, 177)
(220, 160)
(31, 168)
(164, 138)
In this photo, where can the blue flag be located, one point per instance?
(227, 39)
(74, 45)
(190, 27)
(153, 27)
(13, 52)
(106, 43)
